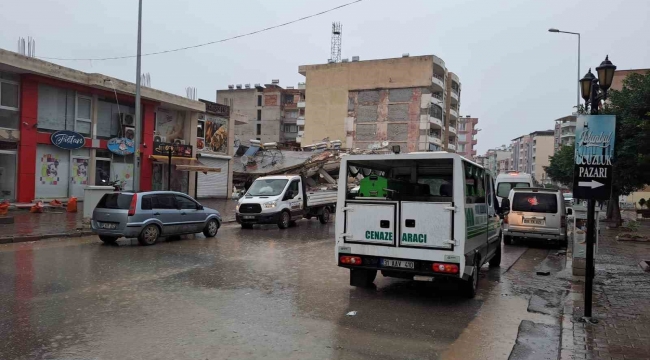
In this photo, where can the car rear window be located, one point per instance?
(534, 202)
(115, 201)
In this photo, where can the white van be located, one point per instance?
(511, 180)
(416, 216)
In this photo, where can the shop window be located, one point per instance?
(9, 117)
(83, 115)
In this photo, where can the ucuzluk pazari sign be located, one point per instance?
(592, 175)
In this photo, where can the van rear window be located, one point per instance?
(115, 201)
(535, 202)
(503, 189)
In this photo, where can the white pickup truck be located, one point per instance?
(282, 200)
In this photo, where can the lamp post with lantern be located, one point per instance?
(594, 90)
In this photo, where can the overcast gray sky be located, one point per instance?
(516, 77)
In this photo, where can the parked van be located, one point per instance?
(534, 213)
(416, 216)
(511, 180)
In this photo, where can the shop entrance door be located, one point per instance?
(78, 176)
(8, 175)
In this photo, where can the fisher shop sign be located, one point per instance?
(592, 174)
(68, 140)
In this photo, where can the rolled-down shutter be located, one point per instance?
(213, 184)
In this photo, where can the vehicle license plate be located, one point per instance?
(533, 222)
(398, 263)
(248, 217)
(109, 226)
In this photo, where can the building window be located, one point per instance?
(461, 126)
(291, 128)
(259, 129)
(9, 104)
(83, 115)
(435, 111)
(200, 129)
(259, 100)
(461, 147)
(462, 137)
(259, 115)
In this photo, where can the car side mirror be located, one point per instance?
(505, 206)
(199, 207)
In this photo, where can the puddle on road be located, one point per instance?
(493, 332)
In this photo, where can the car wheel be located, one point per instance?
(507, 240)
(285, 220)
(325, 217)
(470, 287)
(108, 239)
(211, 228)
(496, 259)
(149, 235)
(246, 226)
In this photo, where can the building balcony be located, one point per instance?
(289, 105)
(453, 113)
(300, 121)
(302, 86)
(454, 97)
(301, 105)
(436, 98)
(435, 140)
(286, 120)
(568, 124)
(438, 82)
(435, 123)
(301, 133)
(299, 139)
(474, 141)
(568, 134)
(451, 146)
(452, 130)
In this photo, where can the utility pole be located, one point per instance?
(138, 110)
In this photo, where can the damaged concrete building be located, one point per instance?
(409, 101)
(273, 112)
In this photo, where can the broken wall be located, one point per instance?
(386, 117)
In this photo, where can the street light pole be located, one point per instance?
(138, 110)
(573, 33)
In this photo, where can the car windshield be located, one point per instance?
(503, 189)
(267, 187)
(534, 202)
(115, 201)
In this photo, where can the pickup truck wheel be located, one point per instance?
(149, 235)
(325, 217)
(211, 228)
(108, 239)
(285, 220)
(362, 277)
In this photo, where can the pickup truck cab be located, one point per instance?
(282, 200)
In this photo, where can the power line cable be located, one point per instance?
(208, 43)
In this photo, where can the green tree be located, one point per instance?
(560, 168)
(631, 167)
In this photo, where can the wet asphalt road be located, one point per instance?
(262, 293)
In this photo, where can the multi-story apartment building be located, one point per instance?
(467, 132)
(497, 160)
(531, 153)
(273, 112)
(564, 132)
(409, 101)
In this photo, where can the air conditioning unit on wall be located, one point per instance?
(158, 138)
(127, 119)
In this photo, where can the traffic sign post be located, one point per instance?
(592, 179)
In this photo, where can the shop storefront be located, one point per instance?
(212, 147)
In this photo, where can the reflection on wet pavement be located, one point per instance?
(262, 293)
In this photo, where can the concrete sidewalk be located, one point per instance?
(56, 222)
(621, 303)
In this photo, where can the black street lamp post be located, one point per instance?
(593, 92)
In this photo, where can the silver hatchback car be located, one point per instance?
(149, 215)
(534, 213)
